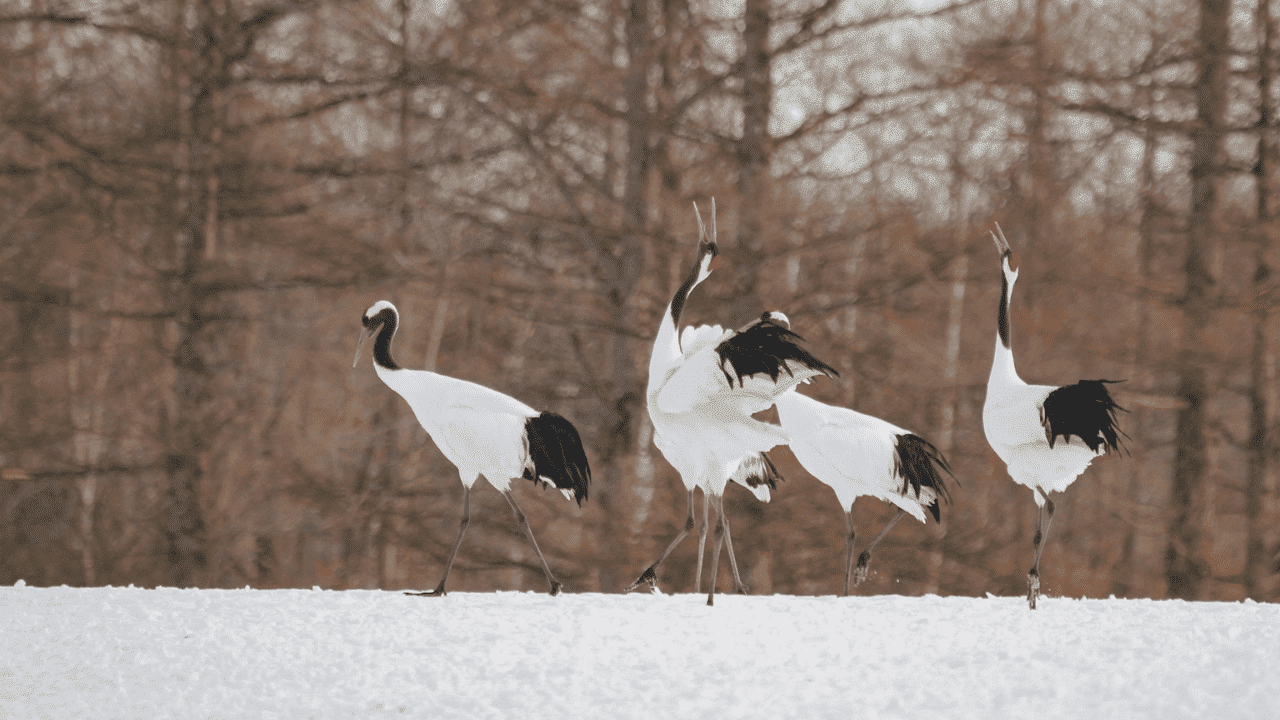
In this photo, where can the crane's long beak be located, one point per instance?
(1007, 255)
(707, 241)
(1001, 243)
(364, 335)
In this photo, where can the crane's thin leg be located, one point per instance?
(528, 532)
(848, 547)
(1044, 518)
(702, 542)
(738, 586)
(1033, 576)
(715, 552)
(861, 573)
(462, 529)
(650, 574)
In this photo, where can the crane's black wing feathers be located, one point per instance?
(557, 454)
(765, 347)
(914, 460)
(1085, 410)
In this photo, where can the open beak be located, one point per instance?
(703, 239)
(1006, 253)
(1001, 243)
(364, 335)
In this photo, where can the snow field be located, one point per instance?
(168, 653)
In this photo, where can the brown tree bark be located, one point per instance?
(624, 262)
(753, 165)
(184, 438)
(1185, 567)
(1259, 448)
(744, 302)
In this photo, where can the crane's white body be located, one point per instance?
(1011, 420)
(849, 451)
(855, 455)
(480, 430)
(702, 426)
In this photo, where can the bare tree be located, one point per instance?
(1186, 568)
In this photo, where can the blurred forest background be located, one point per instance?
(199, 198)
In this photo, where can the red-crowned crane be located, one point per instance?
(857, 454)
(1046, 435)
(704, 386)
(482, 432)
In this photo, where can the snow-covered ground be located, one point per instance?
(167, 653)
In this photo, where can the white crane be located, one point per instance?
(857, 454)
(482, 432)
(704, 386)
(1046, 435)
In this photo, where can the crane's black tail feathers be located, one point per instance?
(557, 454)
(766, 347)
(756, 470)
(914, 460)
(1085, 410)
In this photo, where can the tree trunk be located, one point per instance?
(1039, 153)
(1185, 569)
(1124, 582)
(1259, 450)
(624, 390)
(202, 74)
(1255, 564)
(88, 373)
(955, 331)
(753, 165)
(744, 303)
(950, 374)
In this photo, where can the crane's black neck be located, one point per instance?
(677, 301)
(382, 342)
(1004, 310)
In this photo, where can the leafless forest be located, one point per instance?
(199, 198)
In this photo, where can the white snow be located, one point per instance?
(168, 653)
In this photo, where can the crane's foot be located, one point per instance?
(648, 576)
(438, 592)
(1033, 588)
(860, 571)
(742, 590)
(555, 588)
